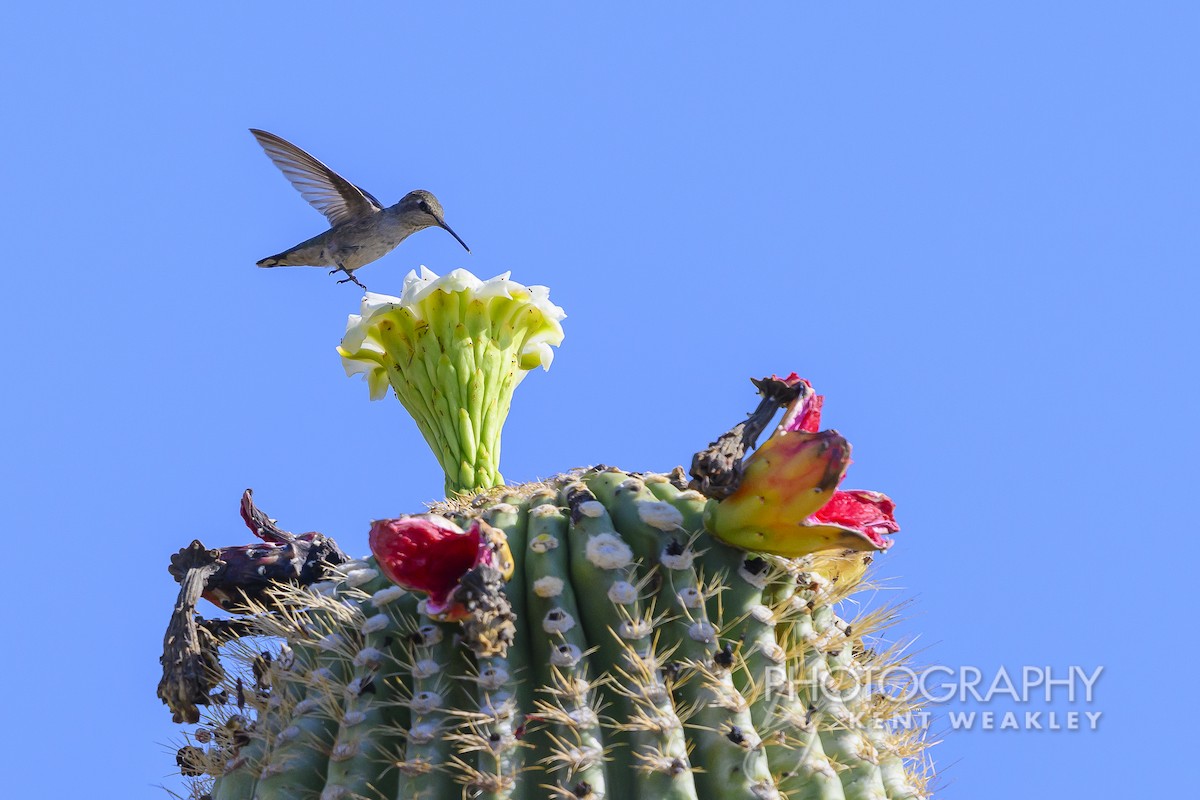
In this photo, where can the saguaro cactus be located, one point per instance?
(599, 634)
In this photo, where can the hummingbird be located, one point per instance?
(362, 230)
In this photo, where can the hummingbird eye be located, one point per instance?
(424, 206)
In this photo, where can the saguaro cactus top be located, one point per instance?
(598, 634)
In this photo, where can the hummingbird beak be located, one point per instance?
(442, 224)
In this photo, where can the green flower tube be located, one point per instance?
(453, 348)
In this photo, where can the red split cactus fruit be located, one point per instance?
(788, 502)
(430, 554)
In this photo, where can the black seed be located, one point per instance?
(724, 657)
(575, 498)
(735, 735)
(367, 686)
(582, 789)
(755, 565)
(675, 548)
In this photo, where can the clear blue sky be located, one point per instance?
(974, 229)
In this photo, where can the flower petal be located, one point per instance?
(804, 414)
(844, 566)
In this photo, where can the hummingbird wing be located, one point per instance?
(325, 190)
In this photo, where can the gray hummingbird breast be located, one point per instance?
(361, 242)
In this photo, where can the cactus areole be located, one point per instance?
(598, 634)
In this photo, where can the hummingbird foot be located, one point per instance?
(349, 277)
(356, 281)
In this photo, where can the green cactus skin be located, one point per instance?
(747, 639)
(846, 744)
(239, 768)
(623, 631)
(725, 742)
(568, 703)
(241, 775)
(500, 757)
(635, 672)
(372, 726)
(435, 659)
(296, 765)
